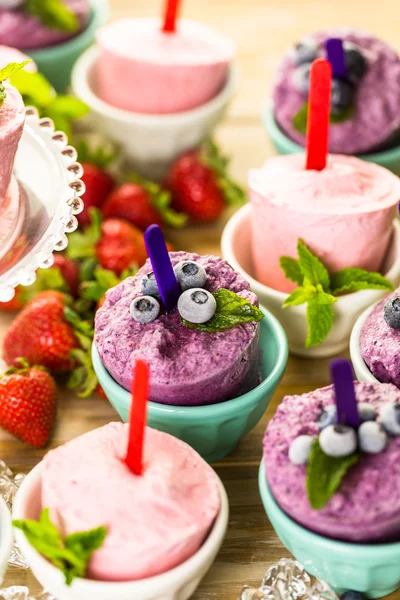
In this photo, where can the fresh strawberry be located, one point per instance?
(41, 334)
(142, 203)
(69, 270)
(100, 392)
(98, 185)
(199, 184)
(28, 403)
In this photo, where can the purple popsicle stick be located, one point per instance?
(345, 397)
(336, 56)
(167, 283)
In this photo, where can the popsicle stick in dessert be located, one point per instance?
(137, 417)
(167, 283)
(170, 16)
(336, 56)
(318, 114)
(345, 397)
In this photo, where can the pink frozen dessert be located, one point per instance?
(154, 521)
(365, 506)
(192, 361)
(365, 101)
(36, 28)
(8, 55)
(344, 213)
(143, 69)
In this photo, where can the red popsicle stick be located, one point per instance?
(137, 417)
(319, 101)
(170, 15)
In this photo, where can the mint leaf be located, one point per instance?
(72, 554)
(352, 280)
(325, 474)
(299, 121)
(11, 68)
(53, 14)
(231, 310)
(290, 266)
(320, 318)
(311, 267)
(298, 296)
(34, 88)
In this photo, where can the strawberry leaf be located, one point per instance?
(83, 244)
(211, 156)
(99, 156)
(161, 200)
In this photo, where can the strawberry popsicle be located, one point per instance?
(143, 69)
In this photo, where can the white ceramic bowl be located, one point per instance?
(6, 537)
(360, 367)
(150, 142)
(236, 248)
(177, 584)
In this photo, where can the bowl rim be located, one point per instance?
(99, 15)
(359, 364)
(219, 408)
(6, 536)
(312, 539)
(271, 126)
(82, 89)
(182, 572)
(231, 231)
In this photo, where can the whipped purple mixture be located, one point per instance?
(188, 367)
(366, 508)
(375, 119)
(21, 30)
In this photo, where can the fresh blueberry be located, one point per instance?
(355, 62)
(299, 451)
(372, 438)
(338, 440)
(366, 412)
(304, 52)
(391, 313)
(390, 418)
(149, 285)
(197, 305)
(190, 275)
(327, 417)
(342, 95)
(144, 309)
(301, 77)
(352, 595)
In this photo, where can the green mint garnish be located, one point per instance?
(299, 120)
(325, 474)
(53, 14)
(319, 290)
(6, 73)
(231, 310)
(70, 554)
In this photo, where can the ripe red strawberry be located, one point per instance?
(28, 403)
(98, 184)
(100, 392)
(199, 184)
(130, 201)
(41, 334)
(121, 245)
(69, 270)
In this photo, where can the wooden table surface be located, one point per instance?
(263, 29)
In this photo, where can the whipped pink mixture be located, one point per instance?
(21, 30)
(155, 521)
(344, 214)
(145, 70)
(8, 55)
(12, 119)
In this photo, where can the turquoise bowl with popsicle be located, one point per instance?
(213, 430)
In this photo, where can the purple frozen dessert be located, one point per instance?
(365, 105)
(188, 367)
(366, 506)
(25, 31)
(380, 340)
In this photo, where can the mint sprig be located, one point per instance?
(319, 290)
(53, 14)
(325, 474)
(6, 72)
(231, 310)
(299, 121)
(70, 554)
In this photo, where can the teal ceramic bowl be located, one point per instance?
(56, 62)
(284, 145)
(214, 430)
(373, 569)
